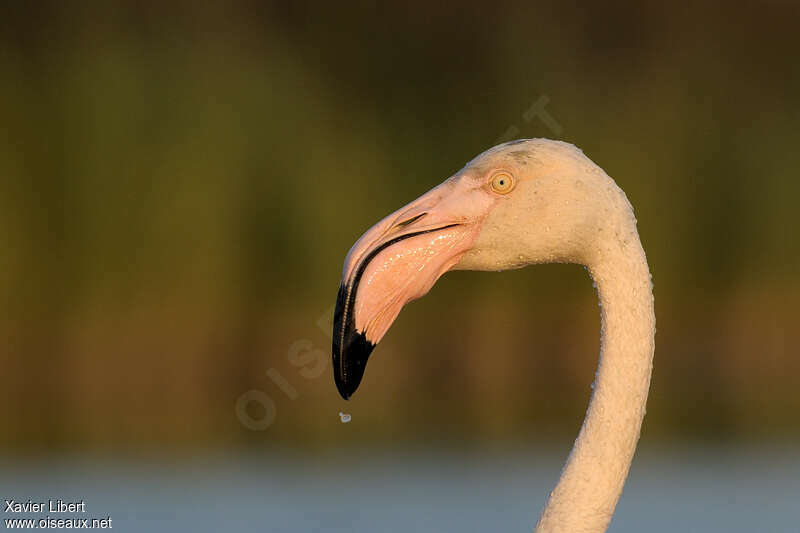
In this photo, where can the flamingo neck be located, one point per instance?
(593, 477)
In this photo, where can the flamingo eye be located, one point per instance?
(502, 183)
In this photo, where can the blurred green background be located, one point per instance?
(180, 183)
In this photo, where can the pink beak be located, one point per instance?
(396, 261)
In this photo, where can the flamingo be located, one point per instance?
(522, 202)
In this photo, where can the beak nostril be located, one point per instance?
(410, 220)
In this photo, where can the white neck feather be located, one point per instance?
(567, 209)
(592, 480)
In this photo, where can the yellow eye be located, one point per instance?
(502, 183)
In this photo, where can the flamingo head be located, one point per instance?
(522, 202)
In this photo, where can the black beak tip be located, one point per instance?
(351, 350)
(349, 364)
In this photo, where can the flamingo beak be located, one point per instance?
(396, 261)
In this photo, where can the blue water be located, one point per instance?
(703, 490)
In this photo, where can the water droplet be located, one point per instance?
(344, 417)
